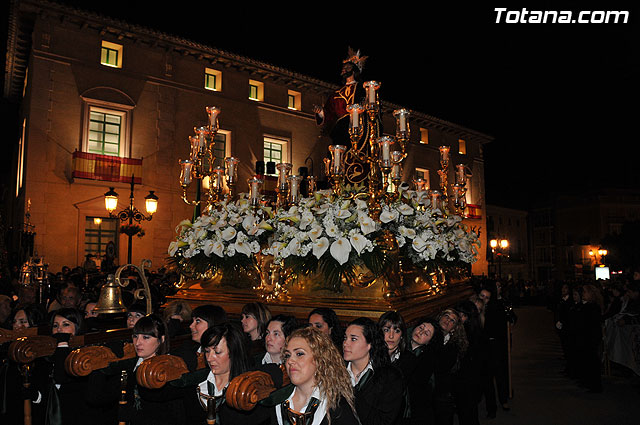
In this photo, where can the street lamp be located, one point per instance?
(498, 247)
(130, 213)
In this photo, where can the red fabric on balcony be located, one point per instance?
(106, 168)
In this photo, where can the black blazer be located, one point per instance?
(156, 407)
(417, 372)
(380, 400)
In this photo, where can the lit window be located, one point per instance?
(462, 147)
(111, 54)
(423, 173)
(424, 136)
(20, 174)
(294, 100)
(275, 150)
(105, 130)
(98, 232)
(212, 79)
(256, 90)
(219, 149)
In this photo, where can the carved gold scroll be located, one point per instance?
(84, 360)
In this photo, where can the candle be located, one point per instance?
(232, 171)
(254, 189)
(185, 172)
(218, 172)
(401, 116)
(385, 150)
(337, 163)
(444, 154)
(283, 171)
(370, 88)
(213, 113)
(355, 110)
(294, 188)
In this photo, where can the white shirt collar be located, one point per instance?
(268, 359)
(204, 388)
(320, 413)
(354, 378)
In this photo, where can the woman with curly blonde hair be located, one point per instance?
(320, 390)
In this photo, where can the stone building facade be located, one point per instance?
(101, 100)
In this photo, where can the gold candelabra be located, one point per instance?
(201, 166)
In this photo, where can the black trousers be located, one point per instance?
(498, 371)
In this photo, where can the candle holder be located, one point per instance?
(201, 162)
(461, 175)
(402, 127)
(420, 185)
(355, 121)
(284, 168)
(336, 167)
(213, 112)
(294, 189)
(435, 197)
(231, 171)
(255, 191)
(371, 90)
(459, 201)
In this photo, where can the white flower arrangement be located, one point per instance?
(235, 231)
(324, 227)
(324, 234)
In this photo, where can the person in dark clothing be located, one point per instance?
(449, 362)
(142, 406)
(496, 327)
(563, 308)
(320, 386)
(590, 339)
(378, 385)
(470, 378)
(202, 318)
(574, 325)
(425, 339)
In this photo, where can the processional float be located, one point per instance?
(359, 248)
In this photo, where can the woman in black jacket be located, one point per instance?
(378, 385)
(448, 363)
(320, 386)
(136, 405)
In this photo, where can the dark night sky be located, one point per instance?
(558, 99)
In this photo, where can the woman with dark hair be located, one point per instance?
(326, 320)
(135, 312)
(424, 342)
(378, 385)
(69, 321)
(470, 379)
(143, 406)
(394, 330)
(278, 329)
(29, 316)
(255, 317)
(320, 386)
(225, 349)
(202, 318)
(448, 363)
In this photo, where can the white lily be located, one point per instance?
(229, 233)
(419, 244)
(320, 246)
(359, 242)
(387, 216)
(243, 248)
(340, 250)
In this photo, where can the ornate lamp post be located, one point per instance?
(130, 213)
(498, 248)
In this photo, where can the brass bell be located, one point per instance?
(110, 300)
